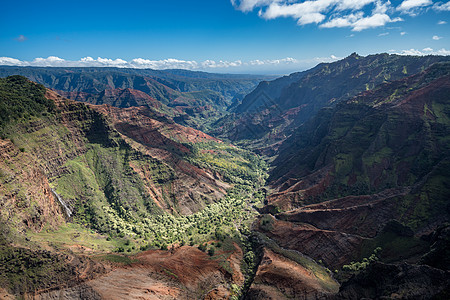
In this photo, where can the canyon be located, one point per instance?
(186, 185)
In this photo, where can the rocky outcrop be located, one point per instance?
(82, 291)
(150, 168)
(26, 197)
(371, 172)
(27, 273)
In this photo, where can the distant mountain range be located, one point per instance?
(192, 98)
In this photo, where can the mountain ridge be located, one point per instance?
(273, 115)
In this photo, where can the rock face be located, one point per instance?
(366, 179)
(27, 200)
(359, 215)
(275, 109)
(370, 172)
(135, 157)
(390, 140)
(29, 272)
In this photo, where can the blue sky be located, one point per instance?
(247, 36)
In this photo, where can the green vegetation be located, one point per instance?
(362, 265)
(430, 200)
(21, 99)
(111, 186)
(76, 237)
(397, 242)
(373, 145)
(23, 270)
(215, 220)
(236, 165)
(105, 189)
(266, 222)
(118, 259)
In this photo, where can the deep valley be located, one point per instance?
(331, 183)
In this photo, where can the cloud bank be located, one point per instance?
(171, 63)
(141, 63)
(423, 52)
(355, 14)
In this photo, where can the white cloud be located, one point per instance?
(402, 33)
(442, 22)
(384, 34)
(443, 52)
(442, 6)
(409, 52)
(51, 61)
(382, 7)
(112, 63)
(346, 21)
(21, 38)
(249, 5)
(356, 14)
(306, 12)
(287, 60)
(411, 6)
(375, 20)
(353, 4)
(8, 61)
(359, 23)
(426, 51)
(437, 38)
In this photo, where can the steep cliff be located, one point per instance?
(368, 180)
(273, 111)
